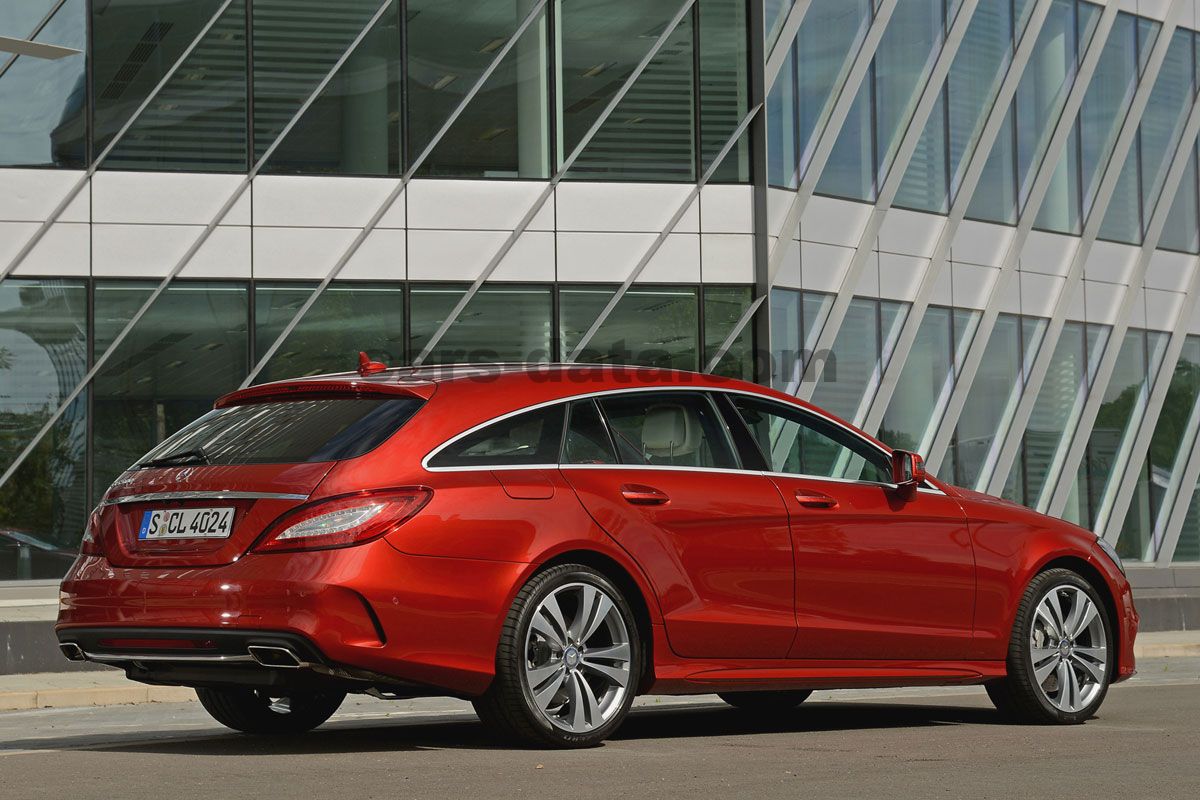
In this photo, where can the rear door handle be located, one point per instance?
(810, 499)
(640, 495)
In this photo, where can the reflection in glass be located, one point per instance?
(1181, 231)
(43, 355)
(723, 307)
(322, 341)
(504, 130)
(503, 322)
(863, 344)
(724, 86)
(198, 120)
(655, 326)
(353, 127)
(188, 350)
(1104, 105)
(42, 101)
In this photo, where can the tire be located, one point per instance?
(259, 712)
(766, 702)
(564, 680)
(1060, 653)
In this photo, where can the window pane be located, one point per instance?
(651, 326)
(850, 172)
(1122, 220)
(1165, 116)
(1180, 231)
(43, 355)
(668, 429)
(782, 145)
(42, 101)
(1105, 103)
(724, 86)
(905, 56)
(852, 372)
(1167, 441)
(587, 439)
(650, 135)
(1060, 208)
(189, 349)
(526, 439)
(798, 443)
(927, 378)
(501, 323)
(925, 187)
(322, 341)
(774, 14)
(830, 30)
(995, 199)
(198, 120)
(1187, 551)
(723, 307)
(785, 337)
(504, 130)
(354, 125)
(1043, 90)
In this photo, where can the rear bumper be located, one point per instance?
(413, 620)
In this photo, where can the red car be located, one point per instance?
(550, 541)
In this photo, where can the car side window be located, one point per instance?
(798, 443)
(532, 437)
(678, 429)
(587, 439)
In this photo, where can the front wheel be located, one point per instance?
(260, 711)
(568, 662)
(1059, 664)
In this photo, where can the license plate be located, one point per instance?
(186, 523)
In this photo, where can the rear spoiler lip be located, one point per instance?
(290, 390)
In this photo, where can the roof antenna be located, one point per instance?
(368, 367)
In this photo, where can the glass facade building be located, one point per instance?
(970, 226)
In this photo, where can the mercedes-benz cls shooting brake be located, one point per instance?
(551, 541)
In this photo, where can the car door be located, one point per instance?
(656, 469)
(880, 573)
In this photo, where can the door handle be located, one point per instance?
(640, 495)
(810, 499)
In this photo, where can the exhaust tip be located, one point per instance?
(276, 657)
(72, 651)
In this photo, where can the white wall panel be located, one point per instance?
(972, 283)
(166, 198)
(1170, 271)
(298, 252)
(382, 257)
(791, 274)
(778, 202)
(831, 221)
(1048, 253)
(824, 265)
(583, 206)
(900, 276)
(728, 258)
(64, 250)
(1039, 293)
(1111, 262)
(322, 201)
(727, 209)
(1103, 301)
(31, 194)
(609, 257)
(981, 243)
(462, 255)
(152, 251)
(1162, 309)
(476, 205)
(910, 233)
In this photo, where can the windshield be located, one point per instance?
(290, 432)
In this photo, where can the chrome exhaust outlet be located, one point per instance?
(72, 651)
(276, 657)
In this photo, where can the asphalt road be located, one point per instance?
(933, 743)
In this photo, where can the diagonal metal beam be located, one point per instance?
(783, 45)
(992, 125)
(865, 251)
(661, 239)
(382, 210)
(1108, 361)
(33, 34)
(25, 47)
(546, 193)
(1000, 461)
(193, 248)
(833, 115)
(1185, 473)
(77, 187)
(1113, 513)
(1033, 204)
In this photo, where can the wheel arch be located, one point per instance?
(1086, 570)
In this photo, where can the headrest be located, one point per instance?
(670, 429)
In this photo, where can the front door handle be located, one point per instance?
(810, 499)
(640, 495)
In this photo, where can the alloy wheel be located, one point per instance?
(577, 664)
(1068, 648)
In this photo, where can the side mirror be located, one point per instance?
(908, 469)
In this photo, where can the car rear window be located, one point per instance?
(289, 432)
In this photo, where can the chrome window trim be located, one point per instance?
(664, 388)
(198, 495)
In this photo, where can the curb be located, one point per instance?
(94, 696)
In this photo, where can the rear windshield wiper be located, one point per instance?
(195, 455)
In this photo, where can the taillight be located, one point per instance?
(90, 545)
(343, 521)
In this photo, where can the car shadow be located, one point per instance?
(464, 732)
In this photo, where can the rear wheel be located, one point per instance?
(765, 702)
(1059, 665)
(260, 711)
(568, 662)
